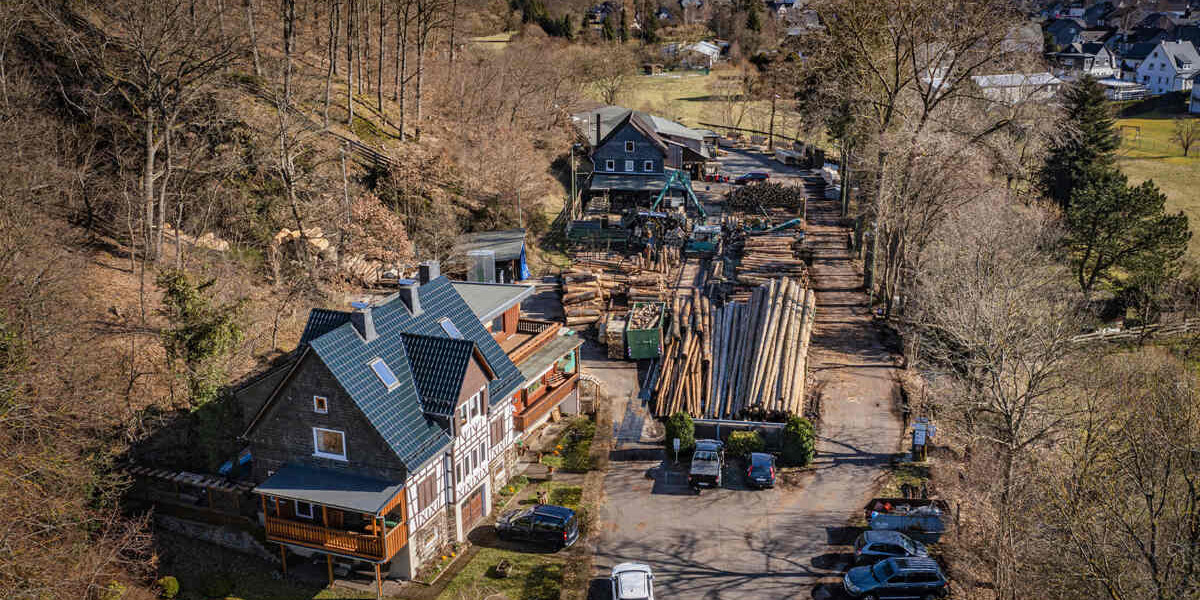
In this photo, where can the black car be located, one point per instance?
(897, 578)
(751, 177)
(761, 473)
(545, 524)
(875, 545)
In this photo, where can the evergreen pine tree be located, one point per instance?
(623, 32)
(753, 20)
(1087, 148)
(650, 28)
(606, 31)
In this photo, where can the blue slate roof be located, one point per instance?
(438, 366)
(320, 322)
(398, 415)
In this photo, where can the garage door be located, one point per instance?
(472, 509)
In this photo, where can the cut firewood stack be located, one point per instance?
(754, 354)
(595, 281)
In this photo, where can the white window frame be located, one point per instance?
(377, 360)
(317, 447)
(297, 503)
(629, 146)
(316, 405)
(648, 165)
(629, 166)
(610, 165)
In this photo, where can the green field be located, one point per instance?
(1147, 152)
(690, 97)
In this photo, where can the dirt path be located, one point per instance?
(860, 429)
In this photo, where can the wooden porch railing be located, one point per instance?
(543, 331)
(364, 545)
(545, 404)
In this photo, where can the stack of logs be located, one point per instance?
(592, 281)
(754, 354)
(755, 196)
(766, 258)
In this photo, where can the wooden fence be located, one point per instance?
(1139, 333)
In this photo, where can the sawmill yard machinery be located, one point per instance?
(705, 241)
(679, 181)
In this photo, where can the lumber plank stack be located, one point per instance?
(744, 356)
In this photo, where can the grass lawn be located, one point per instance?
(1152, 155)
(535, 576)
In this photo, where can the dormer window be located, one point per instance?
(629, 146)
(385, 374)
(320, 405)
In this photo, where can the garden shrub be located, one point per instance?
(799, 442)
(681, 426)
(742, 443)
(577, 446)
(168, 587)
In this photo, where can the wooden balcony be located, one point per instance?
(371, 546)
(546, 403)
(531, 335)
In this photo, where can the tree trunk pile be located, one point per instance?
(721, 362)
(765, 195)
(600, 286)
(766, 258)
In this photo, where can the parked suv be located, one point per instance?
(761, 473)
(751, 177)
(874, 546)
(632, 581)
(545, 524)
(896, 578)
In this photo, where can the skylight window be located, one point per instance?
(385, 374)
(450, 329)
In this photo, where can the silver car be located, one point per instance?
(632, 581)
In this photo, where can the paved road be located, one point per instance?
(789, 542)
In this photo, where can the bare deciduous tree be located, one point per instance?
(1186, 133)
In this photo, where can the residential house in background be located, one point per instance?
(1017, 88)
(1170, 67)
(632, 151)
(1064, 32)
(1131, 58)
(389, 431)
(1092, 59)
(699, 55)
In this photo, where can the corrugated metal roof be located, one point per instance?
(506, 244)
(546, 355)
(330, 488)
(651, 182)
(490, 300)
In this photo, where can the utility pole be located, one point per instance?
(571, 201)
(771, 133)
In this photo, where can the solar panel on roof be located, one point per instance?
(385, 374)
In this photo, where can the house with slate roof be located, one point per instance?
(388, 433)
(634, 151)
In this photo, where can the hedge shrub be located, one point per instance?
(168, 587)
(681, 426)
(742, 443)
(577, 443)
(799, 442)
